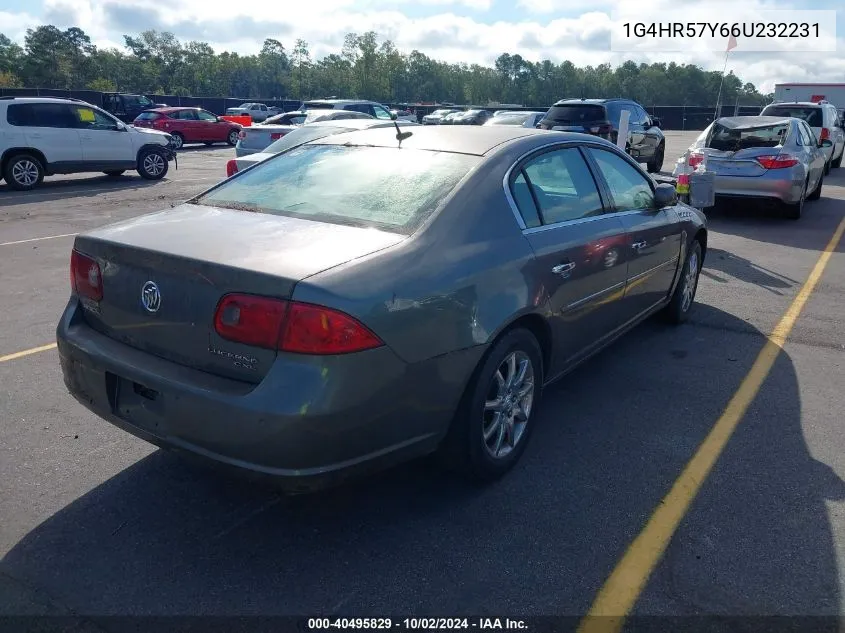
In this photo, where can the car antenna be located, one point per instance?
(400, 135)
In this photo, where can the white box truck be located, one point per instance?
(834, 93)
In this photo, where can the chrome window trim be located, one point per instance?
(561, 145)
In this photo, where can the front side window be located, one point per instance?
(91, 119)
(628, 186)
(561, 184)
(337, 184)
(381, 113)
(206, 116)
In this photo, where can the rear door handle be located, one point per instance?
(639, 245)
(563, 268)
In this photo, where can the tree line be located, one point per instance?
(366, 67)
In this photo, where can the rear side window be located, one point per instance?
(573, 114)
(383, 187)
(813, 116)
(184, 115)
(561, 184)
(40, 115)
(728, 139)
(148, 116)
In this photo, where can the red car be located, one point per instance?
(190, 125)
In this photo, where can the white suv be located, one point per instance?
(823, 118)
(41, 137)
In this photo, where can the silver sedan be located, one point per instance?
(773, 159)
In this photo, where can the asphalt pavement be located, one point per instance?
(94, 522)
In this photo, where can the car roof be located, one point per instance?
(173, 109)
(361, 124)
(736, 122)
(592, 101)
(809, 104)
(41, 100)
(475, 140)
(340, 101)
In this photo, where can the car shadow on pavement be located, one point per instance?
(51, 190)
(720, 261)
(165, 536)
(758, 222)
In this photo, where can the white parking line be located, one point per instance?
(37, 239)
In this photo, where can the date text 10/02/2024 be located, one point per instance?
(415, 624)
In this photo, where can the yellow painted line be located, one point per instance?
(27, 352)
(37, 239)
(620, 592)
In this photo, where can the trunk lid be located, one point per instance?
(739, 163)
(194, 255)
(260, 136)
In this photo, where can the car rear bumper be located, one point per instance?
(245, 151)
(785, 187)
(311, 422)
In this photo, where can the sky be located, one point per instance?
(472, 31)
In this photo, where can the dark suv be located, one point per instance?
(600, 117)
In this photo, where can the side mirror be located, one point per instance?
(656, 122)
(393, 116)
(664, 195)
(120, 127)
(826, 143)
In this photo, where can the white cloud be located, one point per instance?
(455, 35)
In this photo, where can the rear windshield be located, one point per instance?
(733, 140)
(813, 116)
(317, 105)
(508, 119)
(576, 113)
(382, 187)
(148, 116)
(304, 135)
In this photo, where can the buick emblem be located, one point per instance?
(150, 297)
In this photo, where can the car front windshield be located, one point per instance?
(390, 188)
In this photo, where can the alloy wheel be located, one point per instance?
(25, 172)
(508, 405)
(690, 281)
(154, 164)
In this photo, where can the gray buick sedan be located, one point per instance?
(363, 299)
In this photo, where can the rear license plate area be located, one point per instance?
(136, 403)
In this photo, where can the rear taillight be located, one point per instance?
(601, 129)
(825, 134)
(777, 162)
(85, 278)
(289, 326)
(250, 320)
(275, 136)
(231, 168)
(695, 159)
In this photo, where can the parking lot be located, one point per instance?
(95, 522)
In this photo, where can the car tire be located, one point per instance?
(827, 167)
(838, 162)
(152, 164)
(817, 192)
(232, 137)
(465, 448)
(683, 299)
(655, 164)
(114, 173)
(23, 172)
(795, 210)
(178, 140)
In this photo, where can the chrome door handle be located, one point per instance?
(563, 268)
(639, 245)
